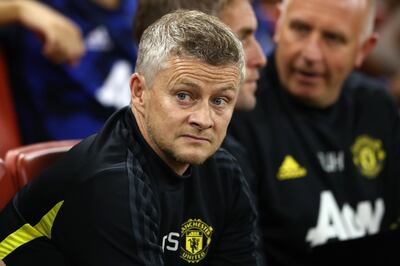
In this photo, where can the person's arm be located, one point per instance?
(2, 263)
(62, 39)
(240, 242)
(116, 221)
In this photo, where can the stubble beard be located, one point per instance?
(172, 154)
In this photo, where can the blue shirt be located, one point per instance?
(63, 101)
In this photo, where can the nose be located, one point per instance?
(312, 50)
(255, 55)
(201, 118)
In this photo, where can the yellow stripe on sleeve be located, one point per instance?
(27, 232)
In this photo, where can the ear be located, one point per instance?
(138, 91)
(279, 22)
(366, 48)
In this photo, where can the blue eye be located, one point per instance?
(182, 96)
(219, 101)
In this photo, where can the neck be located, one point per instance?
(178, 167)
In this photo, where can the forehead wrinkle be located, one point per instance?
(194, 81)
(203, 73)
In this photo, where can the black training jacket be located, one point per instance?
(112, 201)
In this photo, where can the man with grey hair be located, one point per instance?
(325, 142)
(152, 188)
(239, 16)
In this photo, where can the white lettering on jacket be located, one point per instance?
(346, 223)
(171, 241)
(331, 161)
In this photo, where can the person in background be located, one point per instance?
(56, 100)
(62, 38)
(324, 142)
(152, 187)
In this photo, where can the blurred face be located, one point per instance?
(239, 16)
(319, 44)
(185, 115)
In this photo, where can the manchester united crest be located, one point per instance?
(368, 155)
(196, 239)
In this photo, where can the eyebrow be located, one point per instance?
(196, 86)
(229, 88)
(190, 84)
(299, 21)
(245, 32)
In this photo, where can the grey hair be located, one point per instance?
(190, 34)
(368, 23)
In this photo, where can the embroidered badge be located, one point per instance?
(368, 155)
(196, 239)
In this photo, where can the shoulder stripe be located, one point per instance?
(27, 232)
(144, 213)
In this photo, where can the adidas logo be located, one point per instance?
(290, 169)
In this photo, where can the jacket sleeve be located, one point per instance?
(112, 220)
(240, 241)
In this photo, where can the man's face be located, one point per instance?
(318, 46)
(186, 112)
(239, 16)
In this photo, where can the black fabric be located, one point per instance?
(122, 205)
(240, 153)
(33, 254)
(301, 155)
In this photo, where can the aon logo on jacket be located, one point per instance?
(345, 223)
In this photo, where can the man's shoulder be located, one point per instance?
(101, 153)
(363, 90)
(232, 145)
(224, 163)
(223, 156)
(362, 84)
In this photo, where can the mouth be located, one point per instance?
(308, 76)
(198, 139)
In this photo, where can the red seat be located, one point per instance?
(23, 163)
(9, 130)
(26, 162)
(7, 186)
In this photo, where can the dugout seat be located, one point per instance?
(7, 186)
(23, 163)
(26, 162)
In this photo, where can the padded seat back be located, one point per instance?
(26, 162)
(7, 185)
